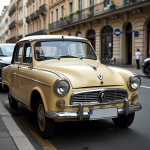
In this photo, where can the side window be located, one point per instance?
(27, 58)
(19, 53)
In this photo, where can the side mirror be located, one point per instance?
(112, 61)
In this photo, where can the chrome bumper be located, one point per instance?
(80, 114)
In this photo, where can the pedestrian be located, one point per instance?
(137, 54)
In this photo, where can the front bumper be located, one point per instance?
(80, 114)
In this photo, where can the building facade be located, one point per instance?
(37, 17)
(4, 25)
(17, 15)
(97, 20)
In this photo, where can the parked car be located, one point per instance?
(146, 67)
(6, 51)
(61, 79)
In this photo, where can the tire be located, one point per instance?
(45, 125)
(12, 102)
(124, 121)
(147, 71)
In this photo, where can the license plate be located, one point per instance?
(103, 113)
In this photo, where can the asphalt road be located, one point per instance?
(90, 135)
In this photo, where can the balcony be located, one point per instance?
(20, 37)
(95, 12)
(55, 2)
(42, 32)
(13, 24)
(28, 19)
(6, 20)
(35, 15)
(13, 39)
(20, 5)
(43, 9)
(13, 8)
(20, 22)
(6, 32)
(29, 2)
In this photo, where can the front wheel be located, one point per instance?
(147, 71)
(45, 125)
(124, 121)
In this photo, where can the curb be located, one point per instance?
(16, 134)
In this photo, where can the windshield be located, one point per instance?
(6, 50)
(63, 49)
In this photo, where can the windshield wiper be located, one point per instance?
(46, 58)
(69, 56)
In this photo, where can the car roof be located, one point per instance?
(51, 37)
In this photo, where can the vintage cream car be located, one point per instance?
(61, 79)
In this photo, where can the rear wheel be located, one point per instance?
(124, 121)
(12, 102)
(45, 125)
(147, 71)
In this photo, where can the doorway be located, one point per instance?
(107, 44)
(129, 43)
(91, 37)
(148, 42)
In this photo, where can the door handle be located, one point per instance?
(19, 67)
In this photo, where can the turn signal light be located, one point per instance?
(61, 103)
(134, 97)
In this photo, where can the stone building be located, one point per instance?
(37, 17)
(17, 26)
(115, 28)
(4, 25)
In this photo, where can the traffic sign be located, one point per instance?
(136, 33)
(117, 32)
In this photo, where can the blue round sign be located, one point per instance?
(117, 32)
(136, 33)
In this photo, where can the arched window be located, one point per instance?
(91, 34)
(149, 25)
(129, 27)
(107, 30)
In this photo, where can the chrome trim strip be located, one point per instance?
(48, 71)
(75, 115)
(32, 79)
(18, 99)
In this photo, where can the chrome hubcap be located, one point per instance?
(41, 117)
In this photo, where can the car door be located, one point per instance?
(15, 67)
(23, 71)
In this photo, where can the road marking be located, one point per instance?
(145, 87)
(46, 144)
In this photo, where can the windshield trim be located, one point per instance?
(64, 40)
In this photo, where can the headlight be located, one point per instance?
(61, 87)
(134, 82)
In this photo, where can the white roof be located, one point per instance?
(51, 37)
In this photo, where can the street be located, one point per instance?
(89, 135)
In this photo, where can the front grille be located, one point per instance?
(93, 96)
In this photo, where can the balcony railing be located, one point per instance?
(20, 37)
(6, 32)
(12, 8)
(42, 32)
(28, 18)
(20, 22)
(15, 22)
(43, 9)
(13, 39)
(34, 15)
(95, 10)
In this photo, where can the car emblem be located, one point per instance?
(102, 97)
(100, 76)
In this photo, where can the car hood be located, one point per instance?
(6, 60)
(81, 74)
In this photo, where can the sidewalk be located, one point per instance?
(11, 137)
